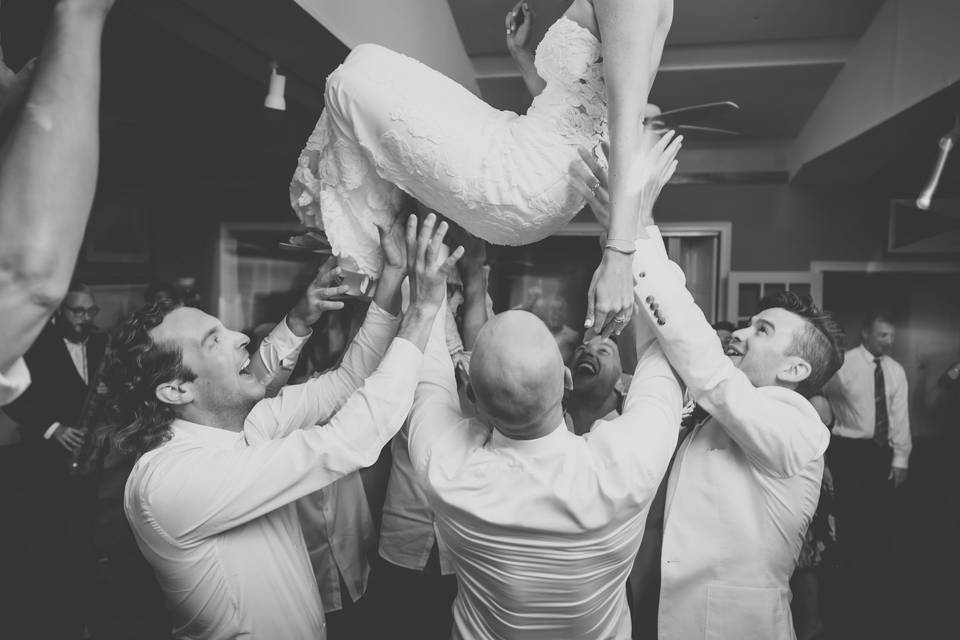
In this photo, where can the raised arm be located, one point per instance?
(518, 23)
(215, 493)
(636, 447)
(779, 431)
(436, 405)
(632, 34)
(48, 172)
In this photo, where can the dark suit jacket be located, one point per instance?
(56, 394)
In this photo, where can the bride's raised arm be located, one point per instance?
(632, 34)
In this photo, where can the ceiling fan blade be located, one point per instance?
(697, 129)
(697, 112)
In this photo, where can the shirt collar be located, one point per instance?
(870, 358)
(204, 434)
(544, 444)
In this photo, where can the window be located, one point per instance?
(747, 288)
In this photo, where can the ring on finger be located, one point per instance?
(593, 189)
(621, 319)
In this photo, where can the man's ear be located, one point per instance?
(796, 371)
(175, 392)
(567, 379)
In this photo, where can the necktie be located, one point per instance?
(880, 401)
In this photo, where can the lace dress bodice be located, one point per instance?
(570, 60)
(392, 125)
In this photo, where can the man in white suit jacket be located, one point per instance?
(745, 482)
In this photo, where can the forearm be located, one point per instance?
(417, 323)
(528, 70)
(474, 305)
(48, 169)
(387, 295)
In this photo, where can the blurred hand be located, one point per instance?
(518, 36)
(69, 438)
(316, 299)
(898, 475)
(394, 245)
(428, 263)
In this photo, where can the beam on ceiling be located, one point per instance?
(422, 29)
(682, 58)
(909, 54)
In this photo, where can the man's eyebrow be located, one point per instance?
(209, 334)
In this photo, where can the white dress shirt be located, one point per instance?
(14, 381)
(338, 529)
(213, 511)
(851, 395)
(542, 533)
(408, 527)
(744, 484)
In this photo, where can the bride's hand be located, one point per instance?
(610, 298)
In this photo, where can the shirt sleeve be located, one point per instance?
(316, 400)
(634, 449)
(205, 493)
(778, 430)
(900, 439)
(436, 405)
(281, 348)
(14, 381)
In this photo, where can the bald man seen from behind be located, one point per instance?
(542, 525)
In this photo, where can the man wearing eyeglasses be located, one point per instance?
(64, 363)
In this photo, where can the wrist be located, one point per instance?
(298, 325)
(391, 273)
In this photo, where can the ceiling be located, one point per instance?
(775, 58)
(184, 82)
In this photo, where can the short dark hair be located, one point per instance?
(820, 344)
(137, 365)
(155, 288)
(78, 287)
(724, 325)
(876, 315)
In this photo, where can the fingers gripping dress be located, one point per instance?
(392, 124)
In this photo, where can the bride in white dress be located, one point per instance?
(392, 125)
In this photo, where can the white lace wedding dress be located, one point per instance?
(392, 123)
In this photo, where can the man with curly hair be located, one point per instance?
(211, 498)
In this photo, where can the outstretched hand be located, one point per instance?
(428, 262)
(658, 167)
(317, 298)
(394, 244)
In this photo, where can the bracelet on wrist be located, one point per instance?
(621, 245)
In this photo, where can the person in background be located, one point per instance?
(869, 456)
(48, 173)
(163, 291)
(597, 391)
(412, 583)
(65, 364)
(818, 548)
(724, 331)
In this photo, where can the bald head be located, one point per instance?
(516, 372)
